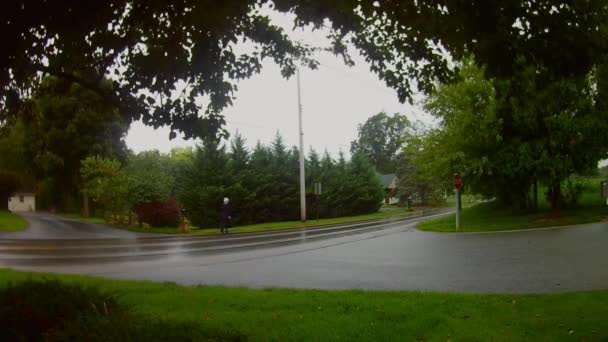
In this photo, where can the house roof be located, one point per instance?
(26, 188)
(386, 179)
(22, 193)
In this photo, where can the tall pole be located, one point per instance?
(302, 181)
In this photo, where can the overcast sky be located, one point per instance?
(335, 99)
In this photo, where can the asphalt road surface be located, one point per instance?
(385, 254)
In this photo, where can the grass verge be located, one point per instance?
(299, 224)
(252, 228)
(11, 223)
(487, 217)
(305, 315)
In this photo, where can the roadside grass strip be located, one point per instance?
(489, 218)
(256, 227)
(11, 223)
(224, 313)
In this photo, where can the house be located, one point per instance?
(389, 182)
(22, 201)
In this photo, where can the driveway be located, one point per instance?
(383, 255)
(44, 226)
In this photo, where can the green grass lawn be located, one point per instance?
(299, 224)
(489, 217)
(256, 227)
(11, 222)
(314, 315)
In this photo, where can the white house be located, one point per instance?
(22, 201)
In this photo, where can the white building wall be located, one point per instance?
(22, 202)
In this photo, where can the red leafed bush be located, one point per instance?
(159, 214)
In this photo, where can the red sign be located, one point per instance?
(457, 182)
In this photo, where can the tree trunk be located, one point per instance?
(556, 196)
(535, 199)
(85, 204)
(68, 205)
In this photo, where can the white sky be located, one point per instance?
(335, 99)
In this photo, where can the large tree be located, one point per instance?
(504, 146)
(166, 56)
(151, 177)
(64, 123)
(381, 139)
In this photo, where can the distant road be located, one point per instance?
(382, 254)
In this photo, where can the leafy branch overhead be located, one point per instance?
(168, 58)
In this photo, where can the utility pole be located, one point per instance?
(302, 181)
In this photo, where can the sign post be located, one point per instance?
(457, 186)
(605, 190)
(318, 191)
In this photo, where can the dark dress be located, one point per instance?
(225, 218)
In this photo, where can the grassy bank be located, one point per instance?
(299, 224)
(305, 315)
(489, 216)
(256, 227)
(11, 223)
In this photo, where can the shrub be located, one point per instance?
(159, 214)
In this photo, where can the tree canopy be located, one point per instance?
(502, 145)
(62, 124)
(165, 58)
(381, 138)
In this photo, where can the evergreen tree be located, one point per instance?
(364, 190)
(261, 165)
(328, 178)
(241, 192)
(207, 184)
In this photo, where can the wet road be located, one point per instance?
(383, 254)
(43, 226)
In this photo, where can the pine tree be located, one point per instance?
(366, 191)
(208, 182)
(241, 191)
(262, 187)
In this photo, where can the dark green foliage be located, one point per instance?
(9, 183)
(402, 40)
(51, 310)
(366, 191)
(151, 178)
(507, 136)
(205, 185)
(156, 45)
(264, 186)
(32, 310)
(381, 139)
(159, 214)
(64, 123)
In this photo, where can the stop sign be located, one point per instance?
(457, 181)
